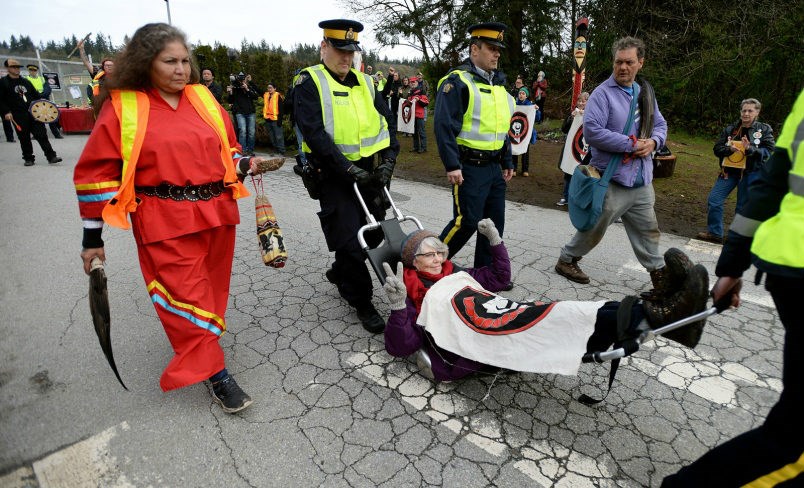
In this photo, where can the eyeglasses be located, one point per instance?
(432, 255)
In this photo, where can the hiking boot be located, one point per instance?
(369, 318)
(689, 300)
(54, 159)
(669, 279)
(709, 237)
(28, 162)
(572, 271)
(230, 396)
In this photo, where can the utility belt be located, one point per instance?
(479, 157)
(192, 193)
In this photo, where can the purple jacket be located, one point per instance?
(404, 337)
(603, 123)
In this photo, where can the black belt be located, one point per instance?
(193, 193)
(478, 157)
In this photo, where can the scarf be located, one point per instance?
(414, 282)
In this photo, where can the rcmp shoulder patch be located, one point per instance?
(302, 77)
(447, 87)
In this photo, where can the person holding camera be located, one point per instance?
(345, 123)
(241, 95)
(743, 147)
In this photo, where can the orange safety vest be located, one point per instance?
(95, 83)
(132, 109)
(270, 109)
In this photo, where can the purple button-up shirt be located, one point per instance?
(603, 123)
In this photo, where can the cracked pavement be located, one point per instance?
(332, 408)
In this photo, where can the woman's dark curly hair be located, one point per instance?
(132, 67)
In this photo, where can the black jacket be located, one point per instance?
(16, 94)
(762, 143)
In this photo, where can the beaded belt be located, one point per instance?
(192, 193)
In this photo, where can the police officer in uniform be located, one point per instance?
(472, 117)
(345, 125)
(768, 231)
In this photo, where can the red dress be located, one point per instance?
(185, 248)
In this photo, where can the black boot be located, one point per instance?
(669, 279)
(689, 300)
(370, 319)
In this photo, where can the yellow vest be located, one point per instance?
(350, 119)
(132, 110)
(488, 114)
(37, 81)
(779, 240)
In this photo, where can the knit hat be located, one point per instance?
(411, 243)
(527, 93)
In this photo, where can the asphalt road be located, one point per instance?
(332, 408)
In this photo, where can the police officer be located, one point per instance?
(42, 86)
(472, 117)
(345, 122)
(768, 231)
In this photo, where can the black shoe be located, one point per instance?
(58, 136)
(332, 277)
(230, 396)
(509, 286)
(54, 160)
(28, 162)
(370, 318)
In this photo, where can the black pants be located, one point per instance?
(30, 127)
(780, 440)
(9, 130)
(341, 217)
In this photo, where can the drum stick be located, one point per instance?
(80, 43)
(19, 129)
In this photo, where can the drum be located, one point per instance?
(44, 111)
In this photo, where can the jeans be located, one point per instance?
(276, 134)
(246, 126)
(419, 136)
(720, 191)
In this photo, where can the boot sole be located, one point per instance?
(226, 409)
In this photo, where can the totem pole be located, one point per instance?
(579, 53)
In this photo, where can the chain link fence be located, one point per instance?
(68, 79)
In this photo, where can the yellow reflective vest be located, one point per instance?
(350, 119)
(779, 240)
(488, 114)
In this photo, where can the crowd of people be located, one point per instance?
(347, 127)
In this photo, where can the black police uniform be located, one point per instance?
(341, 215)
(482, 194)
(16, 94)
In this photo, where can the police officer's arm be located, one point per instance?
(307, 112)
(381, 106)
(453, 98)
(764, 199)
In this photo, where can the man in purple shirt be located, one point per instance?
(630, 193)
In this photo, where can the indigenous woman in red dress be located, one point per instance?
(163, 152)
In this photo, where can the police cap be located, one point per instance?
(32, 66)
(491, 32)
(342, 33)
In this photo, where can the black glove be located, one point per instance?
(361, 176)
(384, 171)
